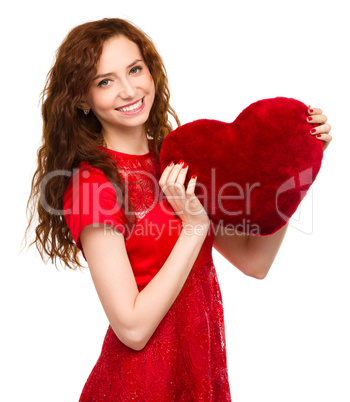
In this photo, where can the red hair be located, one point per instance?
(70, 137)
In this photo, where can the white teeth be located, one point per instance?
(131, 107)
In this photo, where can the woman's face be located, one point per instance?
(122, 93)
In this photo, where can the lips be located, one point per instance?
(131, 106)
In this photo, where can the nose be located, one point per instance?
(127, 89)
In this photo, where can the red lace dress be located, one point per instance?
(185, 359)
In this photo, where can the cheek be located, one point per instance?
(102, 100)
(149, 83)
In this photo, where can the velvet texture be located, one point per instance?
(252, 173)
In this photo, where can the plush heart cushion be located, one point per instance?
(252, 173)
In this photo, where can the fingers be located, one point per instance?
(173, 178)
(326, 138)
(192, 204)
(316, 116)
(170, 173)
(178, 174)
(314, 110)
(319, 119)
(191, 186)
(183, 201)
(164, 177)
(322, 129)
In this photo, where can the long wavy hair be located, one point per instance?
(70, 137)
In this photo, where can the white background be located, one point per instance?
(288, 335)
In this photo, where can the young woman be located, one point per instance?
(97, 190)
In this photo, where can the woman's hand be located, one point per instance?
(322, 131)
(184, 202)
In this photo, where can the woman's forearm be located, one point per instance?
(262, 250)
(154, 301)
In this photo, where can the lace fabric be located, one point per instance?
(141, 174)
(185, 359)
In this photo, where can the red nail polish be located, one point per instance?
(179, 163)
(313, 130)
(311, 110)
(184, 166)
(171, 164)
(309, 118)
(318, 135)
(194, 177)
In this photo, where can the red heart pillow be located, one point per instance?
(252, 173)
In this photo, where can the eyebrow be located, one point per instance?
(109, 74)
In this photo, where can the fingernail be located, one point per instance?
(311, 110)
(194, 177)
(184, 166)
(313, 130)
(318, 135)
(180, 162)
(171, 164)
(309, 118)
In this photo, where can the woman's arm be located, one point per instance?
(254, 255)
(134, 315)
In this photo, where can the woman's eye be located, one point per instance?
(136, 69)
(104, 83)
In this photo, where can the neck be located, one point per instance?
(128, 142)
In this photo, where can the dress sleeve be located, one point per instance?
(91, 199)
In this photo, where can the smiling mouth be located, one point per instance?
(131, 107)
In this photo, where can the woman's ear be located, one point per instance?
(84, 106)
